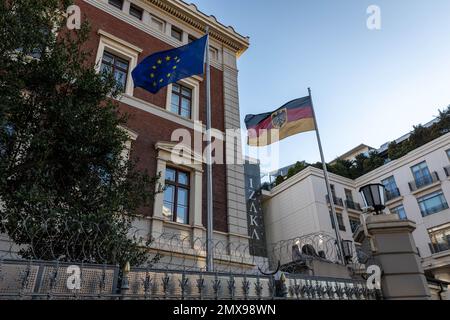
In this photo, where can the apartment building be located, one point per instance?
(417, 188)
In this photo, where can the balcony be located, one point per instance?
(392, 194)
(337, 201)
(350, 204)
(423, 182)
(447, 171)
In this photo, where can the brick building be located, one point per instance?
(123, 33)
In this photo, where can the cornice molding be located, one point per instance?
(190, 14)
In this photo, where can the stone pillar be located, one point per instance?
(394, 250)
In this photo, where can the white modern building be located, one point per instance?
(418, 189)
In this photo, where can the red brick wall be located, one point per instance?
(151, 128)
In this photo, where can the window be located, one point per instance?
(117, 66)
(116, 3)
(400, 210)
(440, 239)
(333, 190)
(432, 203)
(213, 53)
(176, 196)
(181, 101)
(177, 33)
(191, 39)
(354, 224)
(136, 12)
(157, 23)
(348, 194)
(448, 154)
(421, 174)
(391, 188)
(340, 221)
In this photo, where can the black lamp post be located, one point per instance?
(373, 196)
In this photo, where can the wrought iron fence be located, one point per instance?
(20, 279)
(174, 268)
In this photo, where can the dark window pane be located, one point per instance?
(136, 12)
(191, 39)
(116, 3)
(117, 66)
(177, 33)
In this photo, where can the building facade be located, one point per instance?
(123, 33)
(417, 188)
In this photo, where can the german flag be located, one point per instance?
(294, 117)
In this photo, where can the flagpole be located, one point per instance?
(327, 182)
(209, 194)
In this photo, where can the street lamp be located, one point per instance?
(373, 196)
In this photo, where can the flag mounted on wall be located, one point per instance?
(294, 117)
(162, 68)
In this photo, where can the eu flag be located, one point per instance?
(165, 67)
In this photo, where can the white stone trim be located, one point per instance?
(122, 49)
(161, 112)
(165, 35)
(194, 167)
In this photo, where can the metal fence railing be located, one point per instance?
(40, 258)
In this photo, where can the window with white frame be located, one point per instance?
(119, 57)
(176, 195)
(183, 98)
(117, 66)
(157, 23)
(181, 179)
(432, 203)
(176, 33)
(213, 53)
(440, 238)
(116, 3)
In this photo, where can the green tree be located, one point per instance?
(66, 190)
(279, 180)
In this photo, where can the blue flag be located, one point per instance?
(165, 67)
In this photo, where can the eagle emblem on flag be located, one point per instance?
(279, 118)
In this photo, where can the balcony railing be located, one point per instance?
(447, 171)
(350, 204)
(424, 181)
(392, 194)
(337, 201)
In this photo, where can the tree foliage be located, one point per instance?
(66, 189)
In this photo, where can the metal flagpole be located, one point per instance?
(209, 196)
(327, 182)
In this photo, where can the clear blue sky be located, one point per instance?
(368, 86)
